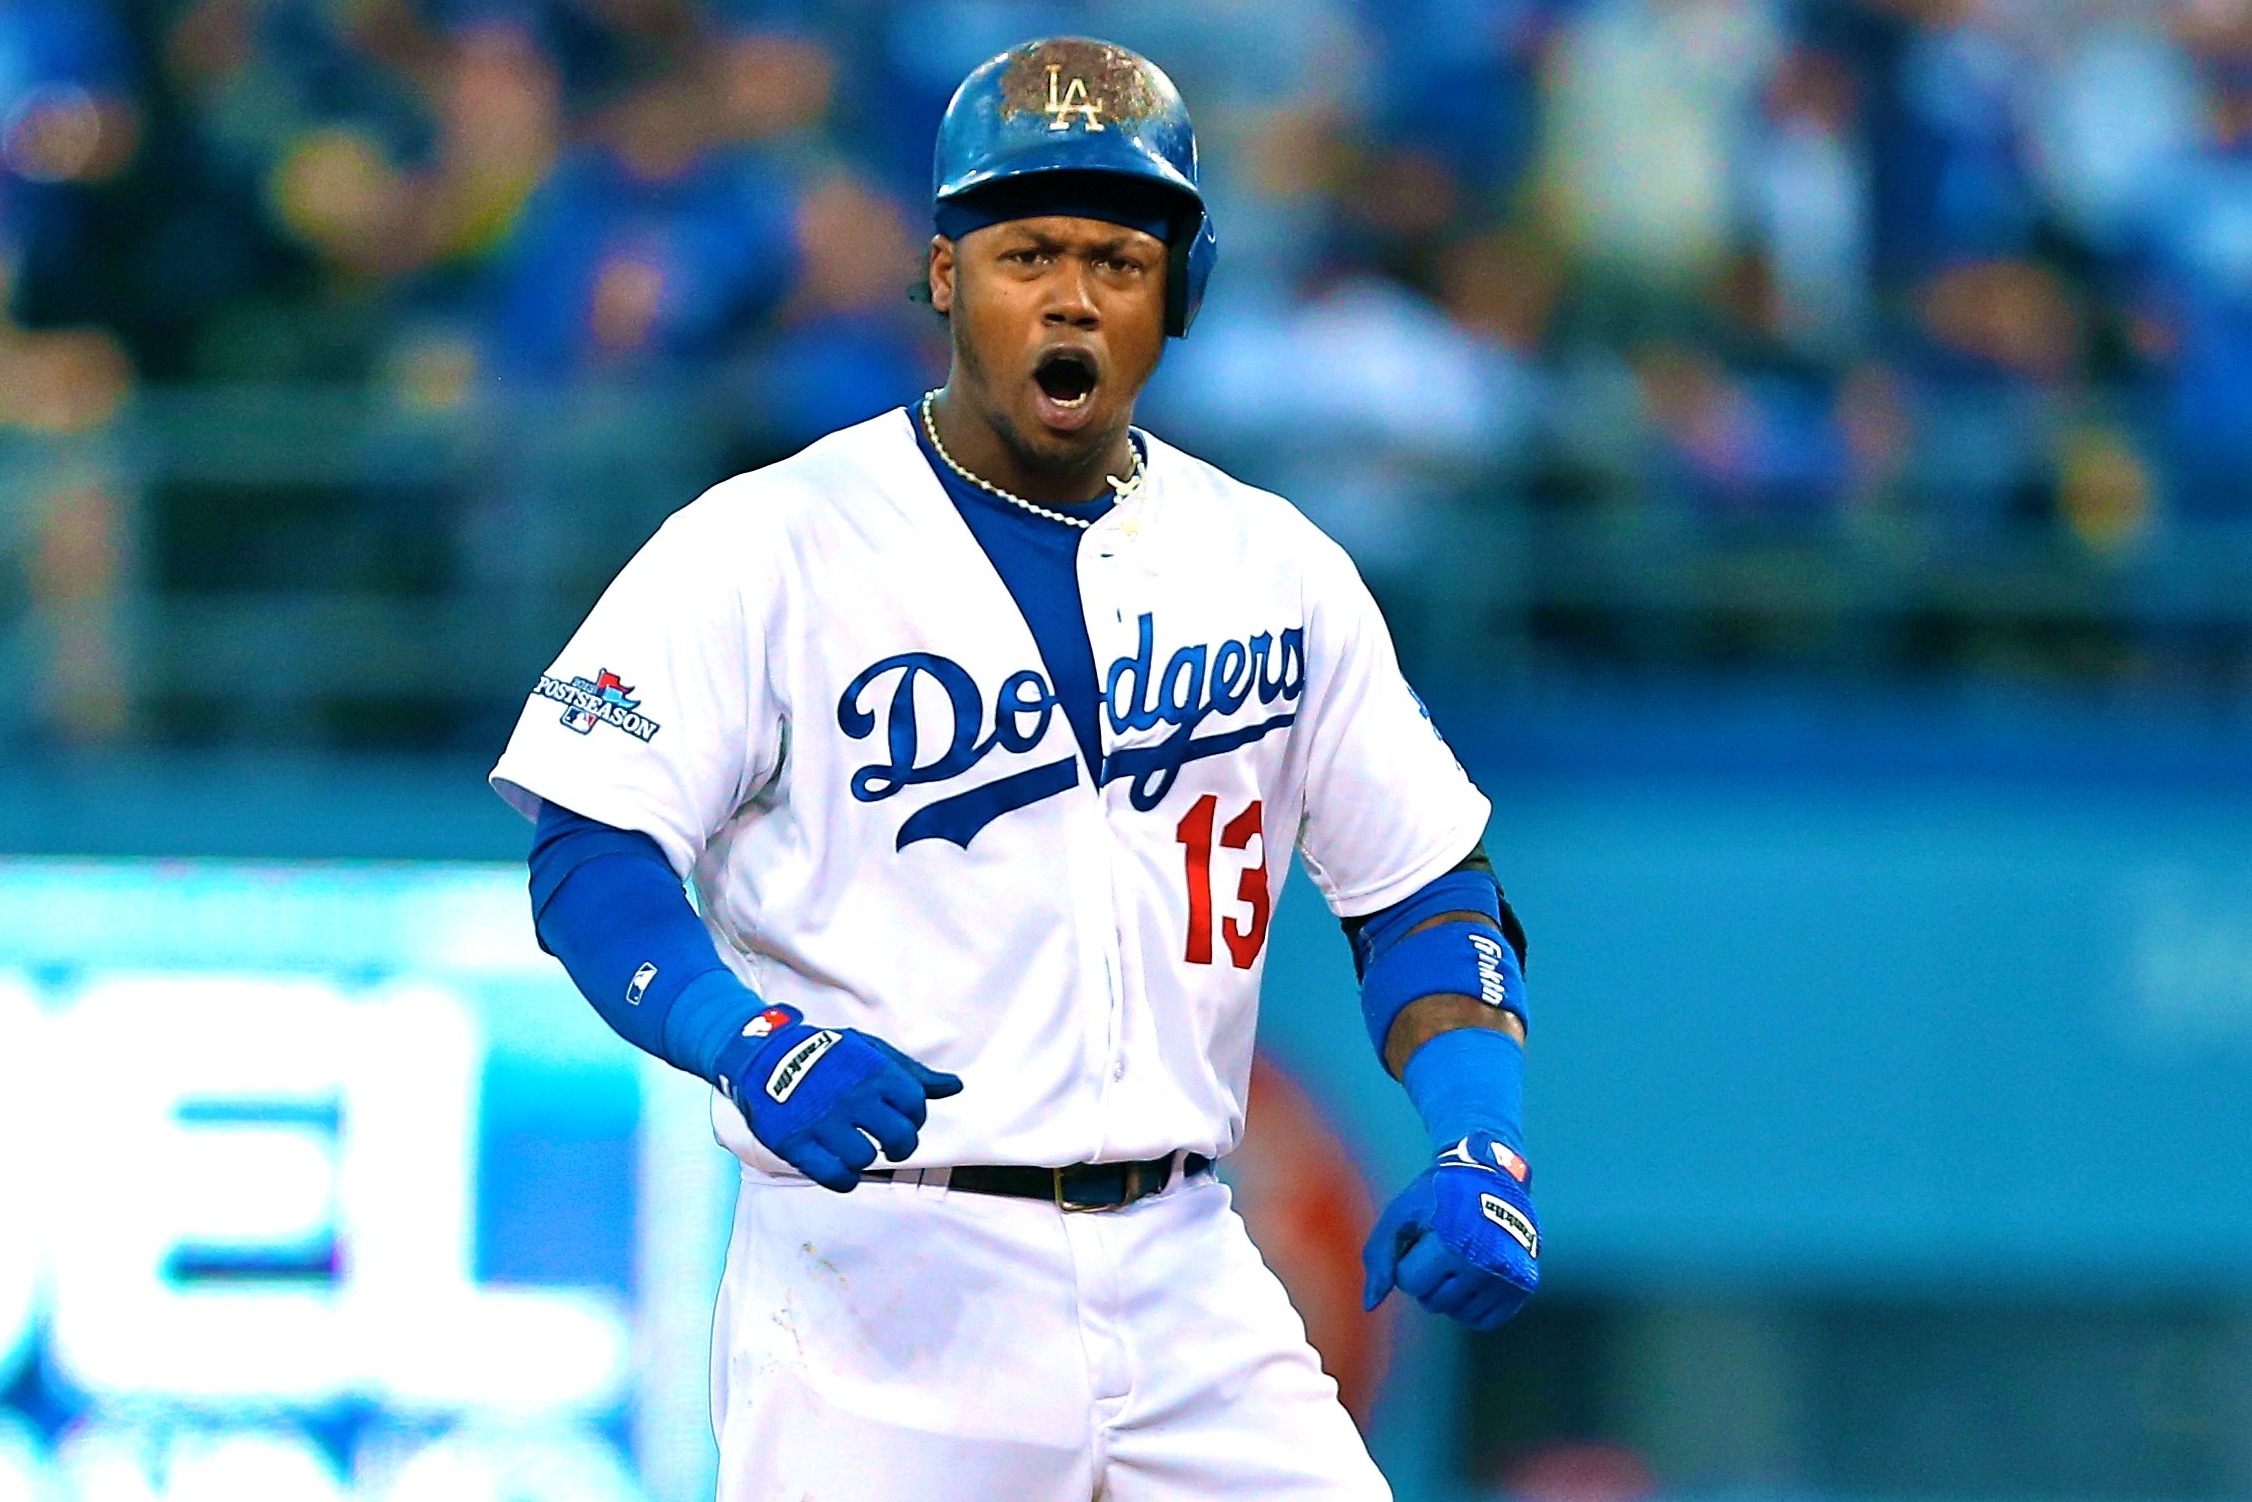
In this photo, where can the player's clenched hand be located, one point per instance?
(825, 1099)
(1461, 1240)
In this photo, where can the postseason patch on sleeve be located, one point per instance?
(604, 699)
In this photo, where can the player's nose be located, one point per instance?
(1070, 302)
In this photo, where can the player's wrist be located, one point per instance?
(748, 1057)
(1466, 1081)
(703, 1016)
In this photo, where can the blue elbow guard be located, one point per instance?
(1461, 957)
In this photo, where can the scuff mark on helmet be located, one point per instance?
(1117, 81)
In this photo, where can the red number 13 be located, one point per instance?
(1195, 835)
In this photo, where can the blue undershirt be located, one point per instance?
(1038, 561)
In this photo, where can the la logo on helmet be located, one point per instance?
(1072, 100)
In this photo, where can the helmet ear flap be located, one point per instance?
(1189, 268)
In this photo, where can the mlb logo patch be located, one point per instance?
(606, 688)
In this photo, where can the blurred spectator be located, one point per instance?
(77, 570)
(1457, 89)
(2000, 340)
(2112, 118)
(1367, 402)
(850, 346)
(1503, 287)
(262, 74)
(1962, 183)
(60, 383)
(1648, 102)
(2200, 311)
(1748, 426)
(1743, 446)
(64, 524)
(2105, 489)
(493, 102)
(500, 114)
(1811, 203)
(68, 118)
(597, 45)
(315, 174)
(649, 250)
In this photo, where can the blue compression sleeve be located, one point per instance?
(1469, 1079)
(606, 903)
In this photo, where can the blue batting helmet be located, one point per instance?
(1078, 106)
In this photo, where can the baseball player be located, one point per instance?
(984, 731)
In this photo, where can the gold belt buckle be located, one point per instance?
(1075, 1207)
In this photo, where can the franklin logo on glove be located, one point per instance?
(783, 1083)
(1508, 1217)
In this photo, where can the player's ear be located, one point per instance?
(940, 271)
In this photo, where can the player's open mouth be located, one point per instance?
(1067, 378)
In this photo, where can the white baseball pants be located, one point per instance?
(905, 1343)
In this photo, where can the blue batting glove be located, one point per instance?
(1461, 1240)
(824, 1099)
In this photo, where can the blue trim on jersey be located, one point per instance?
(959, 818)
(606, 903)
(1038, 561)
(1153, 768)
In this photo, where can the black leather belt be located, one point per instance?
(1083, 1186)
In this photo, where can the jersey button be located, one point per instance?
(1118, 1070)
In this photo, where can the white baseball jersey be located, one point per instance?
(813, 690)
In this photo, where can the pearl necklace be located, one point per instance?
(1124, 488)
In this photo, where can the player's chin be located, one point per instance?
(1070, 448)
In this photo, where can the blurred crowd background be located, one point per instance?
(1910, 338)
